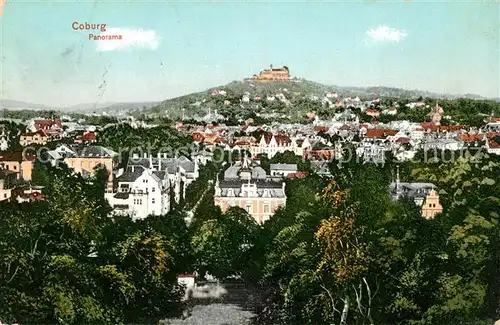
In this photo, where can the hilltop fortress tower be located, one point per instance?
(271, 74)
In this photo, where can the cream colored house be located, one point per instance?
(247, 186)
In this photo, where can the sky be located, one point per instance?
(172, 48)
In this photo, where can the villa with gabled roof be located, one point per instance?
(248, 186)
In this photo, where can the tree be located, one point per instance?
(222, 246)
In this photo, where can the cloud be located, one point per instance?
(130, 38)
(386, 34)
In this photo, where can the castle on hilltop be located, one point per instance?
(280, 74)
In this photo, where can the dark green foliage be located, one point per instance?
(65, 261)
(418, 271)
(125, 139)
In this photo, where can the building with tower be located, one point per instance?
(423, 194)
(247, 185)
(273, 74)
(436, 114)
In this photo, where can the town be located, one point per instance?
(251, 165)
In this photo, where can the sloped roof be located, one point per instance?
(131, 174)
(95, 151)
(287, 167)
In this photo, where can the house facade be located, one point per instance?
(20, 163)
(247, 186)
(149, 182)
(38, 138)
(271, 144)
(140, 192)
(423, 194)
(86, 160)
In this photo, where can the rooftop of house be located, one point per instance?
(284, 167)
(87, 136)
(31, 134)
(47, 123)
(17, 156)
(412, 190)
(169, 164)
(380, 133)
(94, 152)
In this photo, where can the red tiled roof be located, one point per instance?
(372, 112)
(37, 196)
(241, 143)
(186, 276)
(87, 136)
(433, 127)
(17, 156)
(493, 144)
(215, 139)
(42, 124)
(319, 128)
(297, 175)
(280, 138)
(197, 136)
(494, 119)
(380, 133)
(326, 153)
(467, 137)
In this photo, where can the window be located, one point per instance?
(249, 208)
(15, 167)
(140, 202)
(153, 201)
(152, 189)
(266, 208)
(5, 195)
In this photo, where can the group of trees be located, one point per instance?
(63, 260)
(127, 140)
(472, 112)
(352, 256)
(340, 251)
(13, 132)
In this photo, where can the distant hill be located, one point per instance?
(198, 103)
(109, 107)
(19, 105)
(79, 108)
